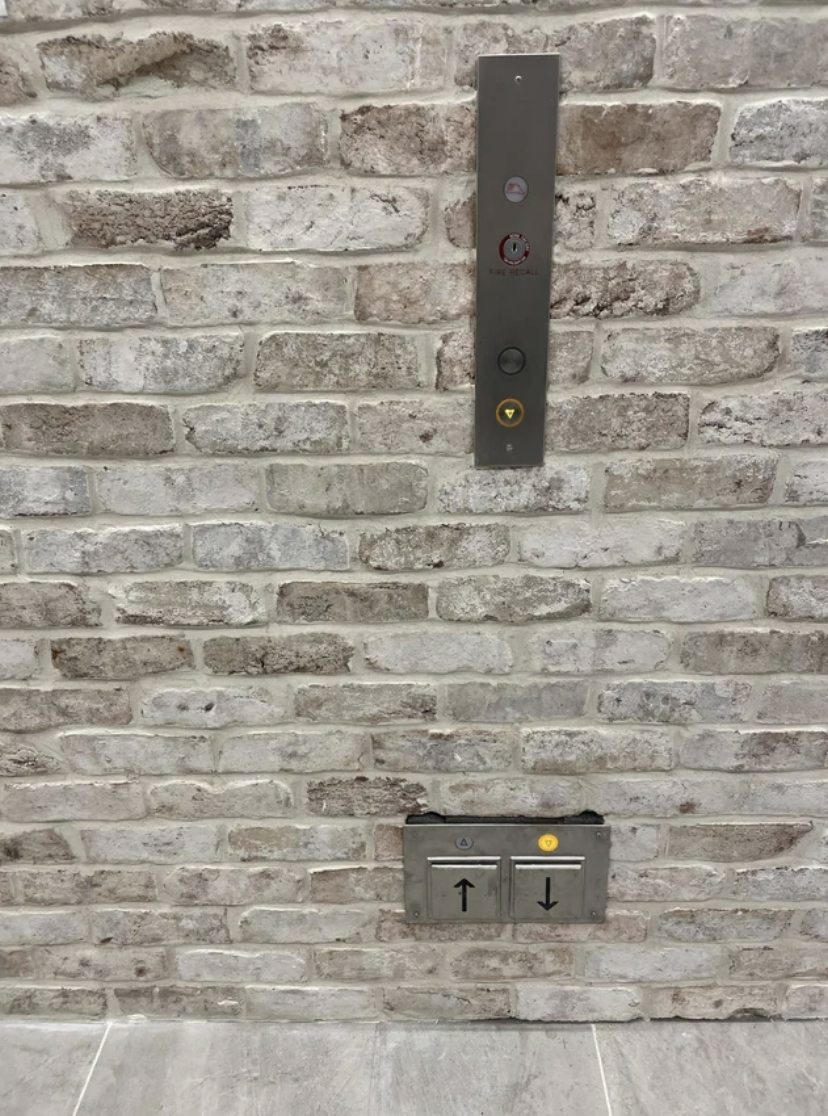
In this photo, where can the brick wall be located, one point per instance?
(258, 605)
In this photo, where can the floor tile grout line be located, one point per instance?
(601, 1070)
(92, 1068)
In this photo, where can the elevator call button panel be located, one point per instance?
(516, 144)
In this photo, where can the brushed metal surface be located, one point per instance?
(516, 142)
(577, 868)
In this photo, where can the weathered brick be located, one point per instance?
(717, 52)
(784, 882)
(213, 294)
(268, 546)
(798, 598)
(236, 143)
(808, 346)
(582, 289)
(130, 657)
(618, 926)
(356, 885)
(352, 602)
(303, 1004)
(666, 796)
(770, 963)
(766, 651)
(7, 551)
(94, 65)
(754, 750)
(571, 649)
(104, 801)
(174, 490)
(753, 543)
(165, 844)
(602, 423)
(550, 488)
(808, 483)
(151, 926)
(178, 218)
(96, 963)
(336, 362)
(294, 843)
(790, 132)
(634, 841)
(30, 1001)
(676, 702)
(443, 750)
(19, 234)
(158, 364)
(737, 1002)
(439, 652)
(55, 887)
(392, 927)
(135, 753)
(312, 653)
(95, 295)
(413, 962)
(679, 482)
(408, 139)
(47, 604)
(514, 701)
(415, 426)
(793, 796)
(577, 751)
(301, 752)
(35, 846)
(773, 419)
(34, 364)
(103, 550)
(379, 57)
(216, 707)
(22, 927)
(684, 600)
(177, 1001)
(808, 357)
(232, 887)
(35, 490)
(389, 488)
(57, 148)
(20, 757)
(412, 293)
(285, 925)
(186, 799)
(358, 796)
(634, 138)
(335, 218)
(639, 541)
(576, 1005)
(195, 604)
(86, 430)
(453, 545)
(665, 883)
(509, 963)
(806, 1001)
(815, 924)
(650, 963)
(792, 284)
(36, 710)
(610, 54)
(203, 965)
(570, 353)
(698, 211)
(512, 599)
(722, 924)
(798, 702)
(465, 1001)
(388, 842)
(511, 797)
(15, 81)
(674, 355)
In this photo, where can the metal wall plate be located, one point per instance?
(473, 871)
(517, 99)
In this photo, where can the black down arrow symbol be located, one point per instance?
(548, 903)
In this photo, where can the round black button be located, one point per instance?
(510, 412)
(511, 361)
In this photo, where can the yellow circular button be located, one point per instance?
(510, 412)
(548, 842)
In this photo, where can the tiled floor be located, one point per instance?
(261, 1069)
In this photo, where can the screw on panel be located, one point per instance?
(415, 914)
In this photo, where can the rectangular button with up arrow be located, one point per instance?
(465, 889)
(551, 887)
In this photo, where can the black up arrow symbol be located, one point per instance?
(547, 904)
(464, 886)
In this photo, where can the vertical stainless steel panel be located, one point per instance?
(517, 98)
